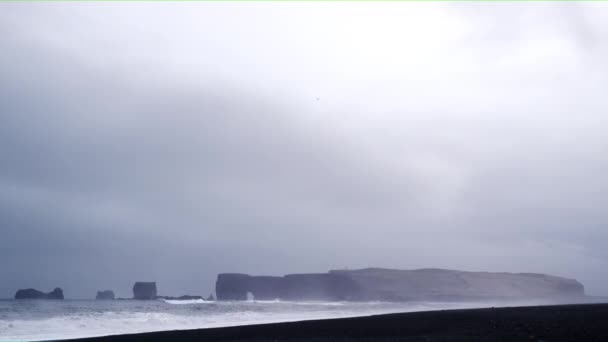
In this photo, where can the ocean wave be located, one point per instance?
(187, 301)
(74, 319)
(288, 302)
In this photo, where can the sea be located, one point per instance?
(35, 320)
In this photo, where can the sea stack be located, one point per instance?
(144, 290)
(35, 294)
(105, 295)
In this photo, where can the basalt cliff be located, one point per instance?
(380, 284)
(105, 295)
(35, 294)
(144, 290)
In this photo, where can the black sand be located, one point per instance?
(580, 322)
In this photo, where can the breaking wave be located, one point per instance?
(187, 301)
(44, 320)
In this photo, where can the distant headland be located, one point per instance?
(369, 284)
(378, 284)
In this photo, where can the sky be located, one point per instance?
(170, 142)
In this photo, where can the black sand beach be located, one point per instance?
(579, 322)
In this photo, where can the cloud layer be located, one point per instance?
(171, 142)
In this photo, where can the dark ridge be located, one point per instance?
(57, 293)
(184, 297)
(105, 295)
(144, 290)
(379, 284)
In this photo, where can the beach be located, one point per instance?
(574, 322)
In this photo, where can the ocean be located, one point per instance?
(47, 319)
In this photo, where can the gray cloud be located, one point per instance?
(161, 141)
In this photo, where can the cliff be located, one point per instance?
(144, 290)
(35, 294)
(105, 295)
(316, 286)
(396, 285)
(439, 284)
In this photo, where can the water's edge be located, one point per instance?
(69, 319)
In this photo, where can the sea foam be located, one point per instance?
(44, 320)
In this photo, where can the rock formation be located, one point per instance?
(144, 290)
(322, 286)
(232, 286)
(57, 293)
(106, 295)
(210, 298)
(184, 297)
(396, 285)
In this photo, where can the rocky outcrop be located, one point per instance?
(210, 298)
(232, 286)
(184, 297)
(144, 290)
(317, 286)
(396, 285)
(105, 295)
(439, 284)
(57, 293)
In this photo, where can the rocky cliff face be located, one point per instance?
(105, 295)
(396, 285)
(35, 294)
(438, 284)
(144, 290)
(232, 286)
(319, 286)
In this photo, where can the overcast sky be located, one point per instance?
(173, 141)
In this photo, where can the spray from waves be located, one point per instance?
(46, 320)
(285, 302)
(187, 301)
(261, 302)
(115, 323)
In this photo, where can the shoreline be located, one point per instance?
(569, 322)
